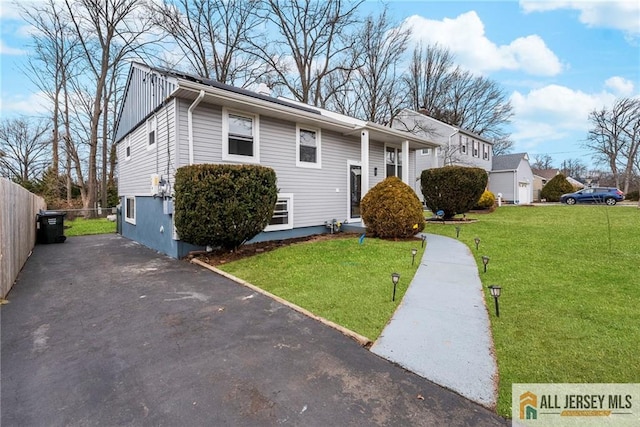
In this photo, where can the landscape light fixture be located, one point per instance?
(395, 278)
(495, 293)
(477, 240)
(485, 261)
(424, 239)
(414, 251)
(457, 231)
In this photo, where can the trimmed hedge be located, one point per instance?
(391, 209)
(556, 187)
(452, 189)
(223, 205)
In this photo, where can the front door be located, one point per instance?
(355, 190)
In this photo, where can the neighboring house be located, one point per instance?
(325, 162)
(456, 146)
(540, 179)
(511, 176)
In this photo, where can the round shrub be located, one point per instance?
(391, 209)
(452, 189)
(632, 195)
(555, 188)
(223, 205)
(487, 200)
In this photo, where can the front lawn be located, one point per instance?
(569, 310)
(82, 227)
(339, 279)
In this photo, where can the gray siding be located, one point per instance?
(134, 174)
(503, 182)
(145, 92)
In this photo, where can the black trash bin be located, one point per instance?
(50, 227)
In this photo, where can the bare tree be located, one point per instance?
(372, 90)
(502, 145)
(458, 97)
(614, 138)
(429, 77)
(108, 32)
(49, 62)
(214, 36)
(574, 168)
(542, 161)
(314, 40)
(24, 153)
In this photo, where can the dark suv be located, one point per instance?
(608, 195)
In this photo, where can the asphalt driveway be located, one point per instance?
(102, 331)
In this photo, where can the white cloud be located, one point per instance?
(621, 15)
(620, 86)
(9, 10)
(8, 50)
(31, 104)
(554, 113)
(465, 37)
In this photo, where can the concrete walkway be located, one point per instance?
(441, 329)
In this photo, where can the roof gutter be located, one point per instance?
(190, 123)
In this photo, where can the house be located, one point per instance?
(540, 179)
(511, 176)
(324, 162)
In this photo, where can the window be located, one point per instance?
(426, 151)
(476, 148)
(282, 218)
(127, 148)
(308, 147)
(152, 125)
(393, 161)
(463, 145)
(485, 151)
(240, 137)
(130, 210)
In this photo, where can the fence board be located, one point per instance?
(18, 209)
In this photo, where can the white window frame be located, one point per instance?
(485, 151)
(463, 146)
(425, 152)
(476, 148)
(152, 126)
(318, 163)
(255, 131)
(289, 225)
(130, 220)
(127, 148)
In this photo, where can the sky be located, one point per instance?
(555, 60)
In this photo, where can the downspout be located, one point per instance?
(190, 123)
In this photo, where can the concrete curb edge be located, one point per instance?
(360, 339)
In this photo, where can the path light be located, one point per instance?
(485, 261)
(395, 278)
(424, 239)
(477, 240)
(495, 293)
(414, 251)
(457, 231)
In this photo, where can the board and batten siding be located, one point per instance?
(145, 92)
(134, 174)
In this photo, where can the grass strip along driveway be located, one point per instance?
(84, 227)
(570, 295)
(340, 279)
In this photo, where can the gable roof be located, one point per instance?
(190, 87)
(545, 173)
(508, 162)
(422, 116)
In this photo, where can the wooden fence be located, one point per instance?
(18, 209)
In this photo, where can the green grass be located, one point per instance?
(338, 279)
(83, 227)
(570, 304)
